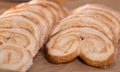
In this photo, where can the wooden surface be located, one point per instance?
(42, 65)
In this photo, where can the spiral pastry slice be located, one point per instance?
(19, 21)
(93, 46)
(96, 49)
(19, 37)
(15, 58)
(37, 9)
(51, 12)
(35, 17)
(23, 31)
(62, 47)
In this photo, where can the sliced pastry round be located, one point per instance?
(19, 21)
(96, 49)
(20, 37)
(63, 47)
(35, 17)
(92, 45)
(15, 58)
(23, 31)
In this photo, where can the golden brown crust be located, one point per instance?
(99, 64)
(60, 59)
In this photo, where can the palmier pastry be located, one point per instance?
(19, 37)
(23, 31)
(91, 32)
(93, 46)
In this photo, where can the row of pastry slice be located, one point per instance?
(24, 29)
(91, 32)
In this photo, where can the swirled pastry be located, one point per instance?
(86, 20)
(93, 46)
(47, 10)
(23, 31)
(34, 16)
(96, 49)
(63, 47)
(91, 32)
(20, 37)
(15, 58)
(20, 21)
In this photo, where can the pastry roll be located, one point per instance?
(23, 31)
(42, 11)
(35, 17)
(31, 14)
(19, 21)
(47, 9)
(15, 58)
(91, 32)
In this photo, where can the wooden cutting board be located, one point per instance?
(42, 65)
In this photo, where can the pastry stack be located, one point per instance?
(23, 31)
(91, 32)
